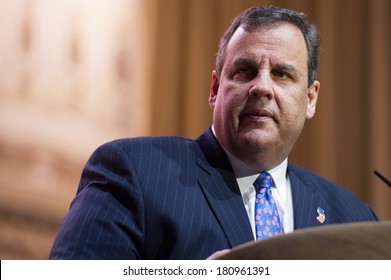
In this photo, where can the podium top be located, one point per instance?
(352, 241)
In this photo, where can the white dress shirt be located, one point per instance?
(281, 190)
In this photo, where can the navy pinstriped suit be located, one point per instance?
(174, 198)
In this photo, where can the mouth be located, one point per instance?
(258, 115)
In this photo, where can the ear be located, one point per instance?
(214, 88)
(312, 96)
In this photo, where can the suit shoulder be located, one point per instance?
(146, 141)
(309, 176)
(322, 184)
(148, 147)
(312, 178)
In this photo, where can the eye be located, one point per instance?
(245, 73)
(281, 74)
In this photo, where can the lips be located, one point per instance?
(258, 115)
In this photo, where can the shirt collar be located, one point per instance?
(246, 176)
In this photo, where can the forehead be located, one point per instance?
(282, 42)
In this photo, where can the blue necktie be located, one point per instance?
(267, 220)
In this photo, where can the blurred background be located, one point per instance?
(77, 73)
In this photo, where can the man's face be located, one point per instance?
(261, 99)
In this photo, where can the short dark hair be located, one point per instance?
(256, 17)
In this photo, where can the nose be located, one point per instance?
(262, 86)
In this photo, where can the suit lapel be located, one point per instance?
(222, 191)
(306, 200)
(223, 194)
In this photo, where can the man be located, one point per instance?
(174, 198)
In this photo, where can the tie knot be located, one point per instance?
(264, 180)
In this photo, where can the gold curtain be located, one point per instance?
(351, 132)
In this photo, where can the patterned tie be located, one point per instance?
(267, 221)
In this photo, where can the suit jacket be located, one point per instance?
(175, 198)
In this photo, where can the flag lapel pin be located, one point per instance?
(321, 215)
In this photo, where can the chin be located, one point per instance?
(254, 143)
(258, 136)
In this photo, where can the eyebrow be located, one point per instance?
(285, 66)
(248, 61)
(244, 61)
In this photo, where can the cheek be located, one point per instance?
(231, 98)
(294, 110)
